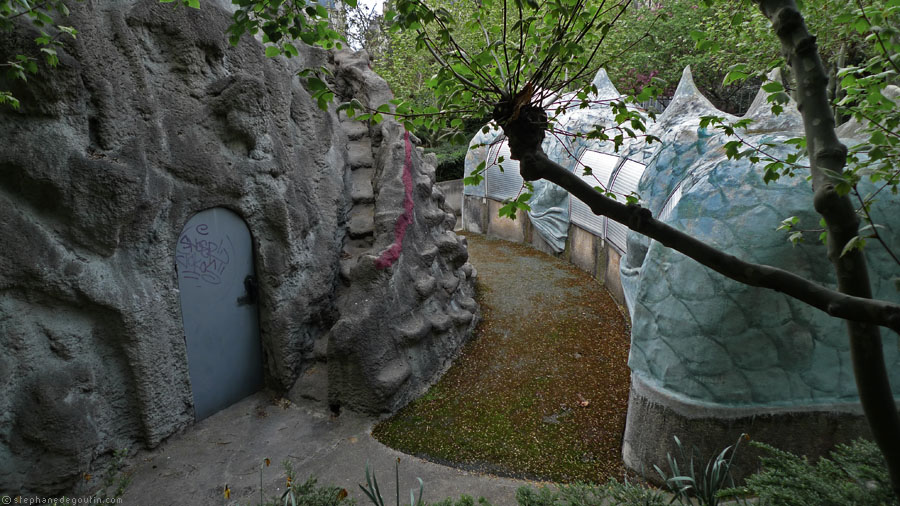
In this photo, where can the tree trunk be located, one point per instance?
(827, 156)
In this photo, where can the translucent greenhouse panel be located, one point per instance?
(505, 184)
(666, 212)
(602, 166)
(625, 181)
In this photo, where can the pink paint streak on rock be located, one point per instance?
(390, 255)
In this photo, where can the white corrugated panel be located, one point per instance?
(505, 184)
(670, 204)
(625, 181)
(602, 166)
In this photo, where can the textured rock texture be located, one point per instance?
(406, 303)
(150, 118)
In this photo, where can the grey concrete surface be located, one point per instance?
(231, 446)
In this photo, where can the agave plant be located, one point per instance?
(374, 493)
(687, 484)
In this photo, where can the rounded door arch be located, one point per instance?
(217, 284)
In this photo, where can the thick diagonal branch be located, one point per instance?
(535, 164)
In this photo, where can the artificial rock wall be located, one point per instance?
(150, 118)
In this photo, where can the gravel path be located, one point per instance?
(542, 390)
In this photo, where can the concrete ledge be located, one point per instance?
(475, 214)
(654, 417)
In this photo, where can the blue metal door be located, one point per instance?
(214, 257)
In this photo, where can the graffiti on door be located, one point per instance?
(202, 257)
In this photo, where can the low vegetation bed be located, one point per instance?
(542, 389)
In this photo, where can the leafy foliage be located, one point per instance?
(861, 93)
(307, 493)
(689, 484)
(464, 500)
(856, 474)
(374, 493)
(511, 52)
(612, 493)
(450, 161)
(283, 21)
(40, 15)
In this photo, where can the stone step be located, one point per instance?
(359, 154)
(361, 222)
(355, 130)
(361, 190)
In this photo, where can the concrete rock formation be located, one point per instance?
(150, 118)
(711, 357)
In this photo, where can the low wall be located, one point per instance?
(655, 417)
(584, 250)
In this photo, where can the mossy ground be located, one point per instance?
(542, 389)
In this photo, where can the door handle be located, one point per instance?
(251, 291)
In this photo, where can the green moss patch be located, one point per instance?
(542, 389)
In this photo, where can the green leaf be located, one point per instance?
(272, 51)
(7, 98)
(50, 55)
(315, 84)
(69, 30)
(788, 223)
(856, 242)
(473, 180)
(508, 211)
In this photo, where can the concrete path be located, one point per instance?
(230, 446)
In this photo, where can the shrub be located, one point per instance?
(451, 161)
(613, 493)
(688, 484)
(630, 494)
(308, 493)
(464, 500)
(856, 474)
